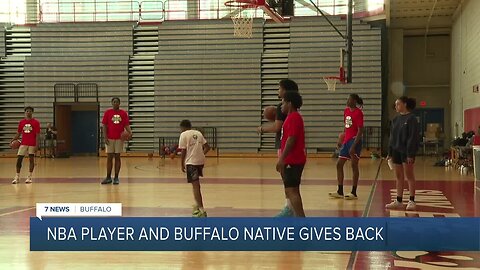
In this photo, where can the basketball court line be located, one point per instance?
(169, 180)
(353, 257)
(17, 211)
(459, 194)
(366, 212)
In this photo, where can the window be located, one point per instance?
(13, 11)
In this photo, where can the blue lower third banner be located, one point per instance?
(254, 234)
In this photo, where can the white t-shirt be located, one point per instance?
(193, 141)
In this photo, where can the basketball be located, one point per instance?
(15, 144)
(269, 113)
(125, 136)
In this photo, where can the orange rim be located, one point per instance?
(242, 3)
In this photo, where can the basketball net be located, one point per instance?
(243, 24)
(331, 82)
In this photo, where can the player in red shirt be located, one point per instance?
(351, 146)
(293, 157)
(29, 128)
(284, 86)
(115, 121)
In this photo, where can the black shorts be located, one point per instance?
(194, 172)
(292, 175)
(398, 157)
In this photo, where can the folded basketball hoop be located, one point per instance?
(242, 19)
(331, 81)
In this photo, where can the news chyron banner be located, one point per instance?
(100, 227)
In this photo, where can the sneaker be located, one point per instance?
(351, 196)
(394, 205)
(28, 180)
(107, 181)
(195, 211)
(200, 214)
(15, 180)
(411, 206)
(116, 181)
(335, 195)
(286, 212)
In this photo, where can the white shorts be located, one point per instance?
(23, 150)
(114, 147)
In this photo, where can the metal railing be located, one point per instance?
(372, 138)
(102, 11)
(56, 11)
(71, 92)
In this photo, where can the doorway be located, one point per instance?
(78, 128)
(429, 115)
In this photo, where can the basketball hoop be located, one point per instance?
(331, 82)
(242, 25)
(242, 21)
(243, 3)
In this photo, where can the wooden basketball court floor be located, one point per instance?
(239, 187)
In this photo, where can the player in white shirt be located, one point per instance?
(194, 147)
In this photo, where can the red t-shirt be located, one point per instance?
(116, 121)
(29, 128)
(293, 126)
(353, 121)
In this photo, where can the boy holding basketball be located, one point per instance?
(293, 157)
(115, 122)
(285, 86)
(29, 128)
(194, 147)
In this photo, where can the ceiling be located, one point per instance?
(415, 14)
